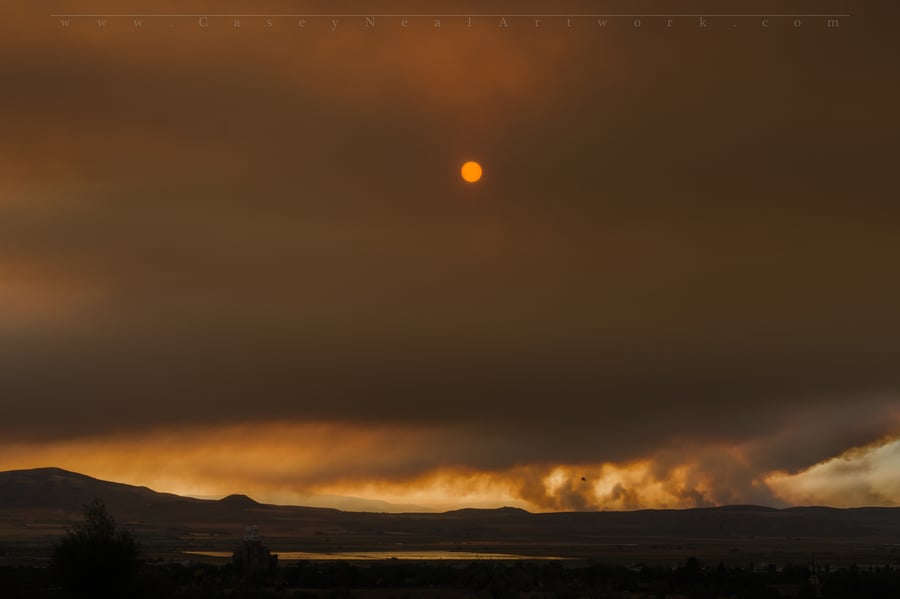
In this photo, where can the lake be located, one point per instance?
(384, 555)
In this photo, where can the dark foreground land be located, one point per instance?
(736, 551)
(482, 580)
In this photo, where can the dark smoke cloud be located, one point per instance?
(682, 241)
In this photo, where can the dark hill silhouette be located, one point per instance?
(61, 489)
(35, 505)
(743, 508)
(238, 500)
(491, 512)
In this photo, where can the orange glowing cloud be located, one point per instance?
(868, 476)
(321, 463)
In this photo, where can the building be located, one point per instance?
(252, 554)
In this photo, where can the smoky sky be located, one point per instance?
(682, 237)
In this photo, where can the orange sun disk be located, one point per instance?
(471, 171)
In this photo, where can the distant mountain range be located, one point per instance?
(60, 488)
(36, 505)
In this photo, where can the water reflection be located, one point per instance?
(384, 555)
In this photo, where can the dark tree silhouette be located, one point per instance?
(95, 558)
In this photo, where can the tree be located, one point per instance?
(96, 558)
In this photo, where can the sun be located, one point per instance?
(471, 171)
